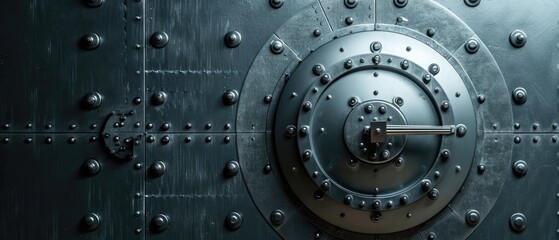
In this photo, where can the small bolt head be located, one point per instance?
(519, 95)
(353, 101)
(433, 194)
(233, 39)
(405, 64)
(92, 100)
(90, 222)
(231, 168)
(481, 99)
(382, 109)
(325, 185)
(230, 97)
(277, 217)
(276, 46)
(434, 69)
(518, 222)
(518, 38)
(404, 199)
(426, 185)
(472, 3)
(93, 3)
(157, 169)
(325, 79)
(159, 223)
(461, 130)
(351, 3)
(348, 199)
(472, 217)
(400, 3)
(91, 167)
(90, 41)
(471, 46)
(158, 98)
(268, 99)
(431, 32)
(398, 101)
(318, 69)
(137, 100)
(348, 64)
(517, 139)
(307, 154)
(159, 39)
(290, 131)
(276, 3)
(234, 221)
(445, 105)
(317, 32)
(348, 21)
(520, 168)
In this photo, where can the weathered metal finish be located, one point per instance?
(279, 119)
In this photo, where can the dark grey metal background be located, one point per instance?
(44, 74)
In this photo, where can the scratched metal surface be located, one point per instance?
(48, 133)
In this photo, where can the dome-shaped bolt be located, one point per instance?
(376, 47)
(231, 168)
(519, 95)
(92, 100)
(317, 32)
(90, 222)
(159, 39)
(399, 162)
(351, 3)
(472, 217)
(405, 64)
(348, 21)
(520, 168)
(517, 139)
(234, 221)
(325, 185)
(471, 46)
(400, 3)
(318, 69)
(137, 100)
(385, 154)
(276, 3)
(307, 106)
(307, 154)
(376, 204)
(353, 101)
(431, 32)
(481, 98)
(91, 167)
(348, 199)
(93, 3)
(398, 101)
(304, 131)
(233, 39)
(445, 105)
(427, 78)
(268, 99)
(90, 41)
(431, 236)
(277, 217)
(434, 69)
(158, 98)
(276, 46)
(159, 223)
(461, 130)
(369, 108)
(382, 109)
(433, 194)
(325, 79)
(472, 3)
(165, 126)
(518, 38)
(48, 140)
(230, 97)
(157, 169)
(348, 64)
(426, 185)
(165, 140)
(404, 199)
(290, 131)
(518, 222)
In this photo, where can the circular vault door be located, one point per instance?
(375, 122)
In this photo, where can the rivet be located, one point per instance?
(400, 3)
(376, 61)
(276, 46)
(437, 174)
(348, 199)
(93, 3)
(472, 3)
(231, 168)
(267, 168)
(317, 32)
(208, 139)
(434, 69)
(165, 139)
(48, 140)
(399, 162)
(351, 3)
(157, 169)
(71, 140)
(234, 221)
(6, 126)
(431, 236)
(554, 125)
(369, 108)
(227, 139)
(472, 217)
(150, 139)
(445, 154)
(230, 97)
(461, 130)
(325, 185)
(481, 98)
(277, 217)
(427, 78)
(348, 20)
(137, 213)
(408, 48)
(90, 41)
(188, 139)
(318, 69)
(408, 215)
(276, 3)
(233, 39)
(535, 126)
(138, 18)
(348, 64)
(518, 38)
(29, 125)
(188, 126)
(290, 131)
(90, 222)
(268, 99)
(480, 169)
(434, 194)
(425, 185)
(445, 105)
(405, 64)
(376, 47)
(431, 32)
(28, 140)
(159, 39)
(353, 101)
(137, 100)
(208, 126)
(91, 167)
(520, 168)
(138, 231)
(159, 223)
(361, 204)
(404, 199)
(518, 222)
(159, 98)
(519, 95)
(382, 109)
(307, 154)
(517, 139)
(165, 126)
(535, 139)
(48, 126)
(325, 79)
(554, 139)
(389, 204)
(137, 166)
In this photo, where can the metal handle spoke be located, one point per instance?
(380, 131)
